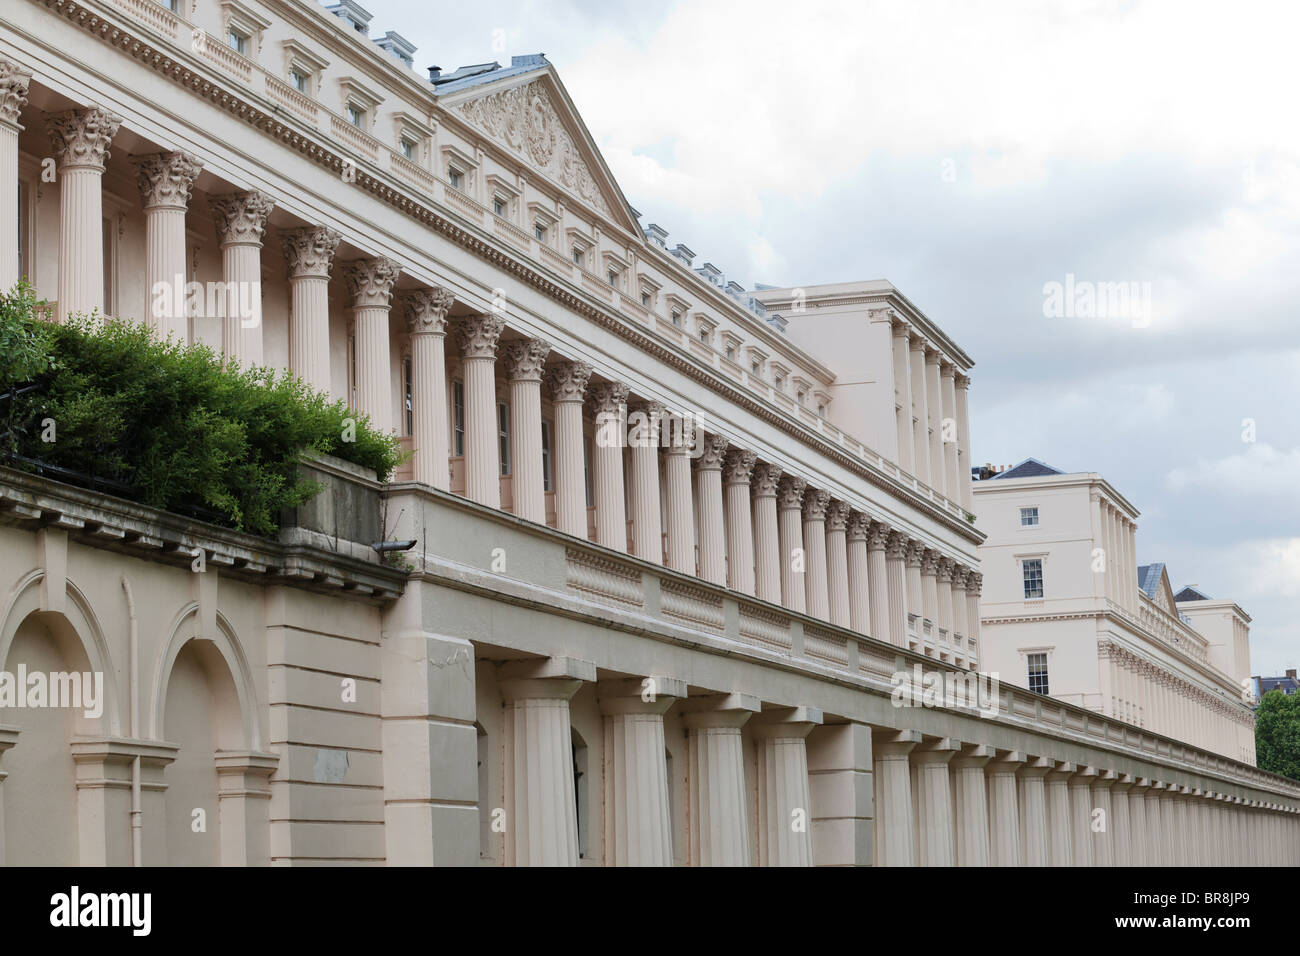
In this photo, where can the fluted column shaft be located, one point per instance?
(716, 821)
(1157, 850)
(737, 470)
(920, 411)
(964, 463)
(541, 825)
(837, 564)
(790, 530)
(1060, 829)
(1034, 840)
(1103, 833)
(426, 317)
(817, 598)
(959, 577)
(370, 283)
(972, 806)
(903, 399)
(524, 360)
(1121, 835)
(895, 836)
(165, 182)
(974, 580)
(568, 382)
(241, 228)
(638, 828)
(14, 84)
(477, 337)
(858, 570)
(768, 558)
(948, 432)
(944, 584)
(895, 574)
(1004, 811)
(1081, 818)
(934, 806)
(80, 139)
(681, 508)
(309, 254)
(784, 801)
(713, 535)
(644, 422)
(609, 405)
(938, 474)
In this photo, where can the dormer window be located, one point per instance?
(455, 177)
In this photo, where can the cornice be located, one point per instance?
(290, 131)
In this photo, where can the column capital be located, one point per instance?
(633, 695)
(1037, 767)
(815, 503)
(859, 527)
(718, 710)
(14, 83)
(715, 452)
(426, 310)
(946, 369)
(963, 382)
(477, 335)
(945, 570)
(837, 515)
(767, 477)
(370, 281)
(81, 137)
(739, 466)
(166, 180)
(680, 431)
(877, 536)
(241, 217)
(568, 380)
(525, 358)
(960, 574)
(916, 343)
(790, 492)
(786, 722)
(915, 549)
(973, 581)
(929, 561)
(973, 756)
(898, 327)
(894, 743)
(608, 398)
(895, 544)
(309, 251)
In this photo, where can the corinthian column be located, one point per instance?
(680, 497)
(568, 381)
(609, 400)
(638, 827)
(14, 82)
(837, 563)
(241, 227)
(309, 254)
(524, 361)
(370, 284)
(740, 522)
(963, 442)
(903, 399)
(784, 801)
(165, 182)
(930, 586)
(790, 532)
(948, 432)
(895, 572)
(938, 477)
(426, 318)
(716, 817)
(767, 540)
(973, 582)
(713, 554)
(477, 337)
(81, 139)
(859, 574)
(960, 573)
(815, 503)
(647, 522)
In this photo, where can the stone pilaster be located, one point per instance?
(934, 802)
(895, 835)
(1004, 810)
(971, 792)
(716, 823)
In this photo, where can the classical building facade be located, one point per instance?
(671, 564)
(1067, 610)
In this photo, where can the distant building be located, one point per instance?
(1287, 684)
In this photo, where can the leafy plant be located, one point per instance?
(1277, 734)
(169, 421)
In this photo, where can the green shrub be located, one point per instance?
(168, 421)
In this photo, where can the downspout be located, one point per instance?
(137, 813)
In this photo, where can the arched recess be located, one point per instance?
(203, 701)
(41, 822)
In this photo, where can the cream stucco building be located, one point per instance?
(1067, 610)
(680, 647)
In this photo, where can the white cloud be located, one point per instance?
(1260, 471)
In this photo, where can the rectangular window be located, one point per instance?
(408, 149)
(238, 42)
(548, 483)
(355, 116)
(171, 5)
(645, 299)
(677, 319)
(1033, 572)
(577, 256)
(410, 396)
(458, 417)
(299, 80)
(1038, 674)
(503, 435)
(539, 231)
(1028, 517)
(613, 277)
(455, 177)
(704, 335)
(499, 206)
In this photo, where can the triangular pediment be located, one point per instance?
(532, 118)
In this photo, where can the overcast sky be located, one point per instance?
(972, 153)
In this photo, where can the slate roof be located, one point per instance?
(479, 73)
(1190, 593)
(1149, 578)
(1287, 685)
(1029, 468)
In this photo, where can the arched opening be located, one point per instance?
(202, 716)
(581, 792)
(40, 792)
